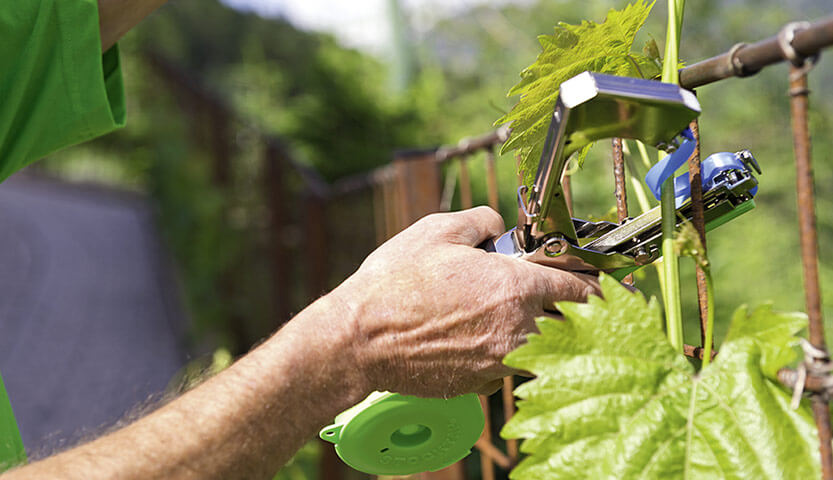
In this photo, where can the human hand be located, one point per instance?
(433, 316)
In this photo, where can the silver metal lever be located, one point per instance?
(590, 107)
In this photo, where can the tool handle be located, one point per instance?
(488, 245)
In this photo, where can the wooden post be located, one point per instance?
(379, 209)
(491, 178)
(315, 244)
(465, 183)
(391, 204)
(508, 412)
(487, 467)
(274, 168)
(418, 184)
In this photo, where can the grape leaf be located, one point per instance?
(581, 155)
(572, 49)
(612, 399)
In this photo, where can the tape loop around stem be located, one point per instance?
(665, 168)
(817, 363)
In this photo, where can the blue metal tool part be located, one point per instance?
(710, 172)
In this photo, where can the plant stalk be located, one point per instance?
(644, 202)
(671, 264)
(643, 154)
(707, 345)
(671, 269)
(635, 174)
(671, 61)
(639, 192)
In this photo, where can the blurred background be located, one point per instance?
(264, 138)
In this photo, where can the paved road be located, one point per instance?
(90, 324)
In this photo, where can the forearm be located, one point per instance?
(426, 314)
(244, 423)
(116, 17)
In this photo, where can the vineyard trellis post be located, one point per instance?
(820, 363)
(418, 185)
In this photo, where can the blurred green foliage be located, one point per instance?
(331, 102)
(304, 465)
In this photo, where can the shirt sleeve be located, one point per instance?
(56, 87)
(12, 452)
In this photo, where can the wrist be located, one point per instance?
(372, 330)
(340, 311)
(328, 327)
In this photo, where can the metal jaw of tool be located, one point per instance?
(590, 107)
(728, 190)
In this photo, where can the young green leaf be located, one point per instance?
(612, 399)
(651, 50)
(581, 155)
(572, 49)
(687, 243)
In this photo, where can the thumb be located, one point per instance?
(471, 227)
(560, 285)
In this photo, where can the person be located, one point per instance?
(426, 314)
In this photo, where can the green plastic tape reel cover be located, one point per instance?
(393, 434)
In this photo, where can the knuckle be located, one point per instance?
(441, 221)
(590, 289)
(489, 215)
(428, 220)
(485, 211)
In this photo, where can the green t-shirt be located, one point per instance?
(56, 90)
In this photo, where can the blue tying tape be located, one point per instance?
(666, 167)
(709, 169)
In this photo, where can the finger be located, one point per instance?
(558, 286)
(530, 327)
(490, 388)
(630, 287)
(468, 227)
(520, 373)
(551, 314)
